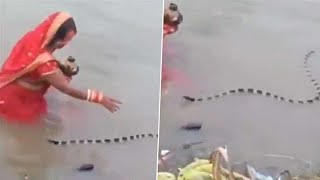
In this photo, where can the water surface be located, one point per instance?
(118, 48)
(233, 44)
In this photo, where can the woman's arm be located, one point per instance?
(60, 82)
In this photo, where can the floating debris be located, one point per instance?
(218, 167)
(164, 156)
(285, 175)
(189, 145)
(164, 152)
(192, 126)
(86, 167)
(253, 174)
(26, 177)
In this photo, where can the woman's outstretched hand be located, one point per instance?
(111, 104)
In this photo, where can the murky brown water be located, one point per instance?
(118, 49)
(232, 44)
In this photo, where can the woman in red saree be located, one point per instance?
(31, 69)
(171, 21)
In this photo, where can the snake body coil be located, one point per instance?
(103, 140)
(315, 84)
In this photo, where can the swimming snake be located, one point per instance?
(253, 91)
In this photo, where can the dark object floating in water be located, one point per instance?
(189, 145)
(192, 126)
(86, 167)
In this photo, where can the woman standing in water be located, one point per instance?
(25, 78)
(171, 21)
(31, 69)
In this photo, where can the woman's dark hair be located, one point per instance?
(173, 7)
(178, 20)
(67, 26)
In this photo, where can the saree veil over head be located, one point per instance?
(28, 57)
(26, 54)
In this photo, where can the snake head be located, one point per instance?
(53, 142)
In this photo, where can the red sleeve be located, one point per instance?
(47, 68)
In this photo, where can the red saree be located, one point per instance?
(22, 101)
(167, 29)
(170, 75)
(166, 77)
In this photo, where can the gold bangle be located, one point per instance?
(88, 94)
(93, 95)
(100, 96)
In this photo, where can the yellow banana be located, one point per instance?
(195, 175)
(197, 162)
(204, 168)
